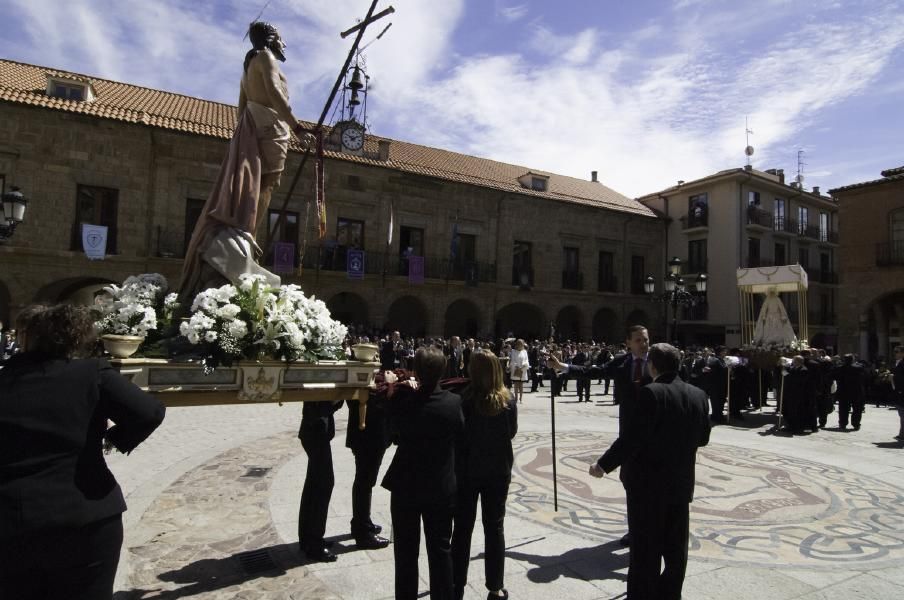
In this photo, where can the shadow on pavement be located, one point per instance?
(596, 563)
(751, 420)
(889, 444)
(211, 574)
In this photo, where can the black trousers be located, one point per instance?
(73, 563)
(583, 386)
(492, 497)
(315, 497)
(852, 407)
(659, 531)
(406, 528)
(367, 467)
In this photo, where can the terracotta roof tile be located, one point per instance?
(895, 174)
(25, 84)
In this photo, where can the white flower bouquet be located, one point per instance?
(131, 309)
(253, 320)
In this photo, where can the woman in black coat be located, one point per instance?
(484, 470)
(60, 507)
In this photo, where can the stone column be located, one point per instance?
(881, 329)
(864, 335)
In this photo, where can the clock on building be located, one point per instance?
(352, 136)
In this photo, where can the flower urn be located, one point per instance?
(121, 346)
(366, 352)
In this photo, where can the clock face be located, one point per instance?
(352, 138)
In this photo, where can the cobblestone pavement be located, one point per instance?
(213, 505)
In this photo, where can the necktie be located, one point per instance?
(638, 369)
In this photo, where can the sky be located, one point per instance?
(646, 92)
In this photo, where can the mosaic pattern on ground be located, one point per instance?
(750, 506)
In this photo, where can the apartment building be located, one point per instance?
(744, 217)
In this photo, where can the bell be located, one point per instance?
(355, 83)
(354, 100)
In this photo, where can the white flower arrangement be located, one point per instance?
(131, 309)
(253, 320)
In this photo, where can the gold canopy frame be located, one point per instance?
(785, 279)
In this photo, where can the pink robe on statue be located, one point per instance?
(228, 217)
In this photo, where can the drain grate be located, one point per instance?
(256, 561)
(256, 471)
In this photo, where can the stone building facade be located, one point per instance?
(871, 308)
(741, 218)
(532, 250)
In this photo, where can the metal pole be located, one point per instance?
(323, 114)
(552, 413)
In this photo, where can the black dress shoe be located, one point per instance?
(625, 540)
(371, 542)
(495, 596)
(319, 554)
(375, 529)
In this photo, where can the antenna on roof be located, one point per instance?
(749, 149)
(800, 168)
(257, 18)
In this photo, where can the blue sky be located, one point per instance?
(645, 92)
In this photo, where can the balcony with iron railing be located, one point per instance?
(784, 225)
(523, 277)
(757, 261)
(890, 254)
(757, 217)
(377, 263)
(607, 284)
(828, 236)
(695, 221)
(808, 231)
(826, 277)
(572, 280)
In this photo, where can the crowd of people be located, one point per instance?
(453, 423)
(810, 386)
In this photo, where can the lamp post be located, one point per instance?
(14, 203)
(676, 294)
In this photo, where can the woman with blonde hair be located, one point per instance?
(484, 470)
(519, 368)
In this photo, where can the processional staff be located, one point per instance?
(317, 131)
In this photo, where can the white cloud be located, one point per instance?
(510, 14)
(667, 102)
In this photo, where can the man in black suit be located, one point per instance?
(582, 380)
(426, 425)
(715, 379)
(391, 352)
(368, 446)
(898, 384)
(851, 394)
(630, 373)
(455, 357)
(317, 430)
(657, 453)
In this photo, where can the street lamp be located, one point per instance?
(676, 293)
(14, 203)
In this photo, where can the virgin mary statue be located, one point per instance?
(773, 325)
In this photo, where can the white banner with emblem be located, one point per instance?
(94, 241)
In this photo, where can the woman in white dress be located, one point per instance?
(518, 367)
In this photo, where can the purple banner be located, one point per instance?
(416, 269)
(355, 264)
(283, 257)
